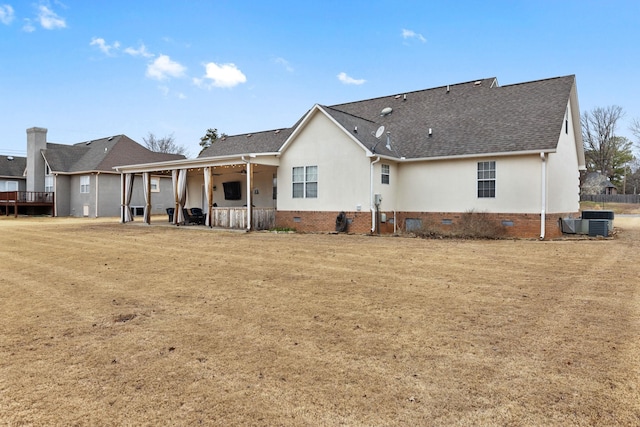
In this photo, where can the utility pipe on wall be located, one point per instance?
(373, 212)
(543, 192)
(248, 175)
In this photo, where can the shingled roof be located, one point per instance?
(259, 142)
(12, 166)
(101, 155)
(473, 118)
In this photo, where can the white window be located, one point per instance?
(48, 184)
(385, 174)
(155, 185)
(486, 179)
(305, 182)
(11, 185)
(84, 183)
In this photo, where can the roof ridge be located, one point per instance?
(540, 80)
(417, 91)
(345, 112)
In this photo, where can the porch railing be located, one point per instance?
(261, 218)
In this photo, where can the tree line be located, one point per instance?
(608, 153)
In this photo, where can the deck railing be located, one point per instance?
(26, 196)
(15, 199)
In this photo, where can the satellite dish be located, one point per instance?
(380, 131)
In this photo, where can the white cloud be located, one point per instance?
(223, 75)
(6, 14)
(141, 51)
(410, 34)
(28, 26)
(344, 78)
(49, 19)
(103, 46)
(163, 67)
(287, 66)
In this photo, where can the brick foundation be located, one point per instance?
(514, 225)
(315, 221)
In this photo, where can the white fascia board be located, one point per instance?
(476, 156)
(232, 159)
(383, 157)
(306, 120)
(88, 172)
(577, 126)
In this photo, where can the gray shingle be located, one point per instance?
(101, 155)
(472, 118)
(12, 166)
(259, 142)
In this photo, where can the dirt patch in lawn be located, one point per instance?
(110, 324)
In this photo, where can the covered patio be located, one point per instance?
(235, 192)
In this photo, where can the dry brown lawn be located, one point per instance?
(110, 324)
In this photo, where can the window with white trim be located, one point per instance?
(305, 182)
(385, 173)
(11, 185)
(48, 183)
(155, 185)
(486, 179)
(84, 183)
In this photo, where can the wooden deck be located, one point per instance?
(29, 202)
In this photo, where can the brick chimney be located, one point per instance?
(36, 142)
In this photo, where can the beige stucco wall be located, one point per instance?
(343, 169)
(262, 181)
(451, 186)
(563, 194)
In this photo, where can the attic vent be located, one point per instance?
(89, 143)
(9, 158)
(249, 135)
(110, 138)
(277, 132)
(477, 83)
(397, 96)
(386, 111)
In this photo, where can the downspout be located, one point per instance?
(55, 199)
(97, 192)
(373, 212)
(248, 162)
(121, 197)
(543, 192)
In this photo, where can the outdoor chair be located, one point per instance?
(198, 215)
(194, 216)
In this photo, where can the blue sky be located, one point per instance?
(89, 69)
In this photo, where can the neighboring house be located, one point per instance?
(12, 173)
(597, 183)
(82, 177)
(398, 162)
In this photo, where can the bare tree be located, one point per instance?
(635, 129)
(165, 144)
(604, 151)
